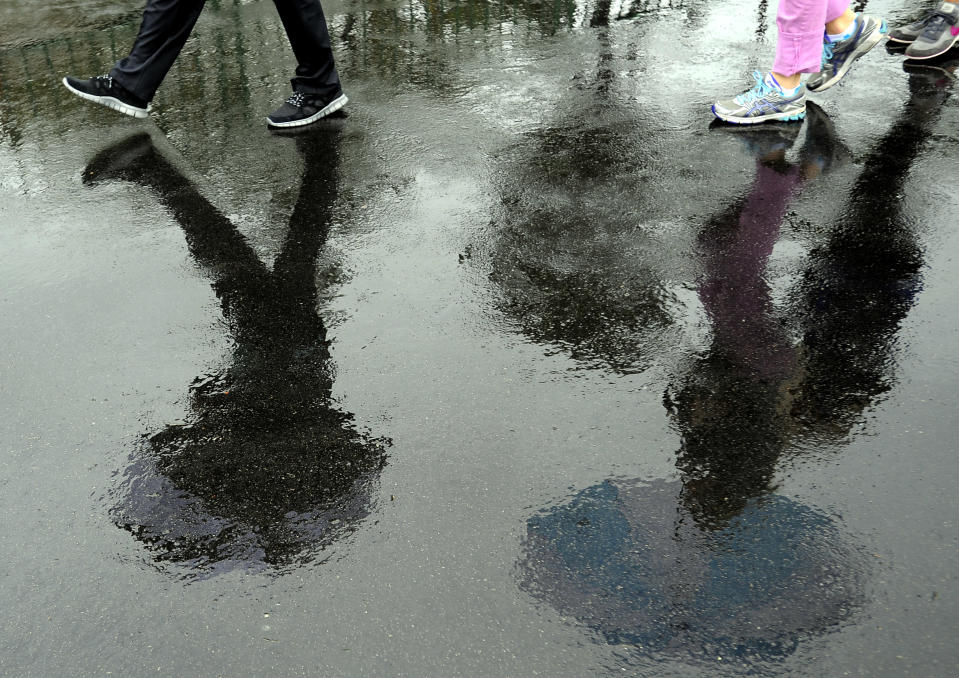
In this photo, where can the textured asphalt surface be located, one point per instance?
(522, 367)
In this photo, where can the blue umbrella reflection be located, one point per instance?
(625, 558)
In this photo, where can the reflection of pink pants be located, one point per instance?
(801, 26)
(736, 294)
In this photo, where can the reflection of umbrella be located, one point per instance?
(623, 558)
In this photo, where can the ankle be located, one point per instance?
(841, 23)
(787, 82)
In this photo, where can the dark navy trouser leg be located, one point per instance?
(167, 24)
(309, 37)
(165, 27)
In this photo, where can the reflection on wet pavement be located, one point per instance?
(620, 558)
(593, 335)
(266, 470)
(717, 564)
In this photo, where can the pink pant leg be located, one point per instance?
(835, 9)
(801, 26)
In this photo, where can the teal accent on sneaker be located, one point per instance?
(762, 103)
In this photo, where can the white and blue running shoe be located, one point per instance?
(838, 57)
(763, 103)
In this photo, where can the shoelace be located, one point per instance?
(297, 99)
(936, 24)
(827, 52)
(107, 78)
(759, 90)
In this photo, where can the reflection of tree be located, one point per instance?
(555, 263)
(421, 43)
(266, 469)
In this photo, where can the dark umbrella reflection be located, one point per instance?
(718, 565)
(266, 471)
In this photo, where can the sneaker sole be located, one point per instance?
(933, 56)
(109, 102)
(870, 42)
(332, 107)
(755, 120)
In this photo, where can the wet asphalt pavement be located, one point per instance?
(520, 368)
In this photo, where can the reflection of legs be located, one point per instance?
(212, 238)
(727, 407)
(166, 26)
(735, 293)
(295, 267)
(733, 404)
(239, 274)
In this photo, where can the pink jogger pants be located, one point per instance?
(801, 26)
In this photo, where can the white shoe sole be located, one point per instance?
(109, 102)
(933, 56)
(793, 116)
(332, 107)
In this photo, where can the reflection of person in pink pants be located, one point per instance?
(803, 48)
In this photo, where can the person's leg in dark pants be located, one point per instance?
(316, 87)
(166, 26)
(306, 28)
(134, 80)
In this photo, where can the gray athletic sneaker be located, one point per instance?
(940, 34)
(763, 103)
(838, 57)
(909, 32)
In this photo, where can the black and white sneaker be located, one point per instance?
(303, 108)
(106, 91)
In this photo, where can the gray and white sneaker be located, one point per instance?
(763, 103)
(838, 57)
(907, 33)
(106, 91)
(939, 35)
(303, 108)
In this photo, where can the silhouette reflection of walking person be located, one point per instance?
(719, 565)
(732, 405)
(713, 565)
(266, 471)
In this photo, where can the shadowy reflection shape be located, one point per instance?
(733, 405)
(717, 565)
(862, 281)
(266, 471)
(713, 566)
(555, 264)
